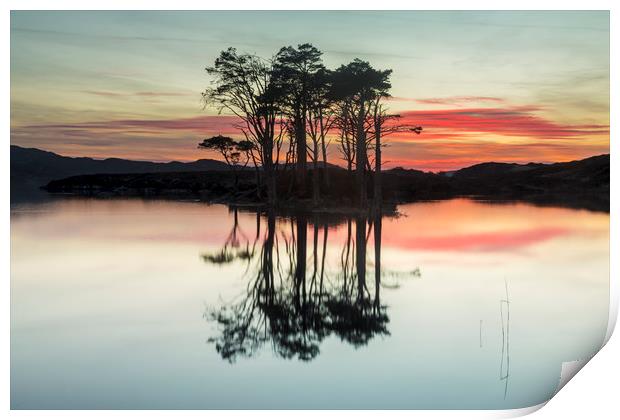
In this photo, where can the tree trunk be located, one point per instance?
(236, 176)
(291, 183)
(270, 177)
(300, 165)
(272, 197)
(324, 152)
(258, 181)
(360, 163)
(325, 171)
(316, 185)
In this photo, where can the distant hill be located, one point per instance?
(33, 168)
(590, 174)
(491, 169)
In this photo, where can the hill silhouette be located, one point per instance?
(32, 168)
(590, 174)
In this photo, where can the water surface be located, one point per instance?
(157, 304)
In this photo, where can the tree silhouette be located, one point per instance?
(243, 85)
(358, 83)
(235, 153)
(384, 124)
(321, 118)
(294, 69)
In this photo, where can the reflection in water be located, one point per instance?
(231, 249)
(292, 306)
(113, 290)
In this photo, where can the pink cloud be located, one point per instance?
(521, 121)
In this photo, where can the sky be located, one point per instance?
(506, 86)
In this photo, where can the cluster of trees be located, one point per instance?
(290, 108)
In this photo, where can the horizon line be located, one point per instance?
(330, 163)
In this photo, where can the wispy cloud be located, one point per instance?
(455, 100)
(200, 125)
(399, 99)
(105, 36)
(114, 94)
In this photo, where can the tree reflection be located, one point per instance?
(232, 249)
(355, 316)
(291, 302)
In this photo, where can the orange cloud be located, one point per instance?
(522, 121)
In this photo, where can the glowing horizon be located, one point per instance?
(486, 86)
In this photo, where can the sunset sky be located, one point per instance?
(486, 86)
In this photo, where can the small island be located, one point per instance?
(577, 184)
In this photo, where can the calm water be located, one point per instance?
(135, 304)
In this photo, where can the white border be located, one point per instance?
(309, 5)
(580, 398)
